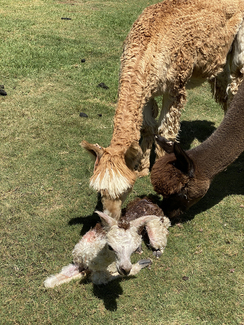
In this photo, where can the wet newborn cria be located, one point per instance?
(104, 252)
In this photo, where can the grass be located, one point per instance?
(46, 202)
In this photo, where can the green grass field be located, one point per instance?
(46, 202)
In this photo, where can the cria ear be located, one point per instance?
(106, 220)
(133, 155)
(94, 150)
(183, 162)
(142, 221)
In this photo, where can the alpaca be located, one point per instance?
(169, 45)
(183, 178)
(104, 252)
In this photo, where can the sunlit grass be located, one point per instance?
(46, 202)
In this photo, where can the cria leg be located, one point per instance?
(137, 267)
(68, 273)
(157, 231)
(148, 130)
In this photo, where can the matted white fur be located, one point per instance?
(68, 273)
(113, 182)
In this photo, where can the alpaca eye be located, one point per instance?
(110, 248)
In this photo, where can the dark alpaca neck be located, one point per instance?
(225, 144)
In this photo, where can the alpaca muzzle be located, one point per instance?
(124, 270)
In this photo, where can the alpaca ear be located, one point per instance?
(183, 162)
(165, 144)
(94, 150)
(139, 222)
(133, 155)
(106, 220)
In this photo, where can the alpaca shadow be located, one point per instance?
(89, 221)
(228, 182)
(110, 292)
(189, 131)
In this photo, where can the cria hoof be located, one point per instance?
(145, 263)
(139, 250)
(157, 253)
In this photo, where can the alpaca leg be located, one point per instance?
(137, 267)
(157, 231)
(225, 85)
(68, 273)
(148, 130)
(237, 65)
(169, 120)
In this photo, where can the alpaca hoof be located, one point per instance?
(139, 250)
(145, 262)
(157, 253)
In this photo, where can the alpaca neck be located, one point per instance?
(128, 118)
(225, 144)
(133, 91)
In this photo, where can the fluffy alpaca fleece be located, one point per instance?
(169, 45)
(104, 252)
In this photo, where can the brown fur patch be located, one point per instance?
(99, 229)
(124, 224)
(166, 178)
(141, 207)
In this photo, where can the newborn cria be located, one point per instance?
(104, 252)
(156, 228)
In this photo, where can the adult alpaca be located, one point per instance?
(170, 44)
(183, 178)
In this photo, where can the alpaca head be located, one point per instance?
(123, 239)
(114, 174)
(178, 178)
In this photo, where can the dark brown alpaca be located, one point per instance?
(182, 177)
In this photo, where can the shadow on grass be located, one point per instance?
(189, 131)
(110, 292)
(88, 221)
(230, 181)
